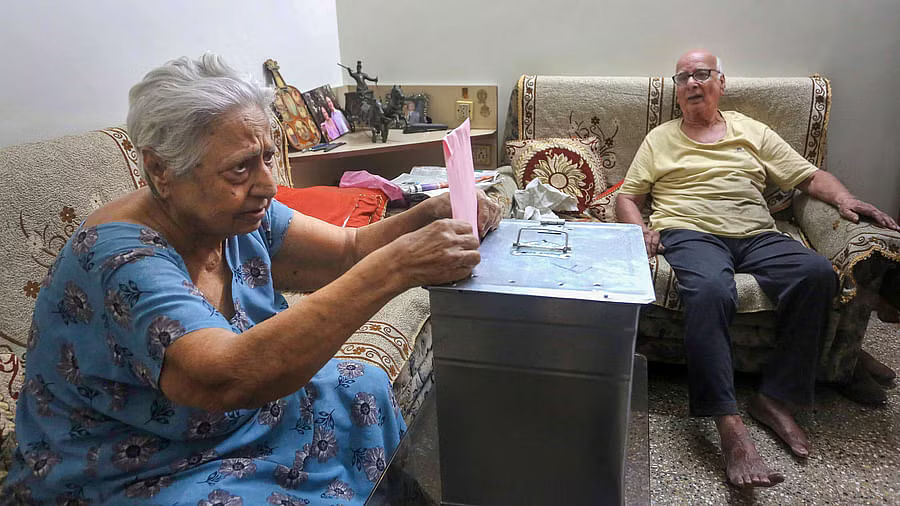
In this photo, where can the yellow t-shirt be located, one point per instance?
(715, 188)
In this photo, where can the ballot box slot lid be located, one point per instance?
(590, 261)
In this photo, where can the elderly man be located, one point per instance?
(706, 173)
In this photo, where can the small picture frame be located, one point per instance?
(415, 108)
(323, 107)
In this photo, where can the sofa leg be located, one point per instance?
(862, 387)
(881, 373)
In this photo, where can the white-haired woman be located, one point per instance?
(163, 363)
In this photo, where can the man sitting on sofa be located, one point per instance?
(706, 173)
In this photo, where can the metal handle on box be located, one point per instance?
(561, 248)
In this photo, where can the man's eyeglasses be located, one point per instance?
(699, 75)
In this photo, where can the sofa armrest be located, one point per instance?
(502, 192)
(847, 245)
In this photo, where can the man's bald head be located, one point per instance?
(699, 55)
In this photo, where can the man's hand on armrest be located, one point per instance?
(827, 188)
(628, 210)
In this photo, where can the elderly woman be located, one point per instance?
(164, 365)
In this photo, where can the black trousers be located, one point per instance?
(800, 282)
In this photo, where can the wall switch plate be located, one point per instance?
(481, 155)
(463, 109)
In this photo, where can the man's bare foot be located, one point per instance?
(777, 416)
(743, 465)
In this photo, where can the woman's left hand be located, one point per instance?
(488, 214)
(488, 211)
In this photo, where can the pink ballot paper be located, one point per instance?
(461, 175)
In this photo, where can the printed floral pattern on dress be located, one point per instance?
(117, 308)
(205, 424)
(37, 387)
(120, 354)
(91, 461)
(237, 467)
(393, 400)
(33, 335)
(280, 499)
(364, 411)
(239, 322)
(271, 413)
(82, 419)
(118, 394)
(292, 477)
(193, 290)
(143, 373)
(149, 487)
(114, 262)
(348, 372)
(219, 497)
(74, 306)
(134, 452)
(40, 459)
(74, 497)
(162, 332)
(324, 443)
(152, 238)
(67, 367)
(161, 411)
(307, 413)
(48, 278)
(255, 272)
(337, 489)
(84, 239)
(194, 460)
(370, 461)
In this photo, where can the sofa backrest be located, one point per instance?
(47, 189)
(621, 110)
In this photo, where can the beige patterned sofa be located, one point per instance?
(48, 187)
(619, 111)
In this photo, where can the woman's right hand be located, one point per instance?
(441, 252)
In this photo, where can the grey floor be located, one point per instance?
(855, 457)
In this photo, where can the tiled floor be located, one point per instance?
(855, 457)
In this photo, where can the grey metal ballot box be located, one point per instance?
(533, 359)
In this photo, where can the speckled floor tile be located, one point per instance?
(844, 470)
(835, 415)
(856, 449)
(883, 342)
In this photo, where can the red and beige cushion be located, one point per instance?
(569, 165)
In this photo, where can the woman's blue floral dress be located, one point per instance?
(94, 428)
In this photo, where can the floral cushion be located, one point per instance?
(569, 165)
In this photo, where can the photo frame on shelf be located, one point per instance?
(415, 108)
(323, 107)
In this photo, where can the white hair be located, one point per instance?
(170, 110)
(719, 65)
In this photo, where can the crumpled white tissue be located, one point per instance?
(538, 201)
